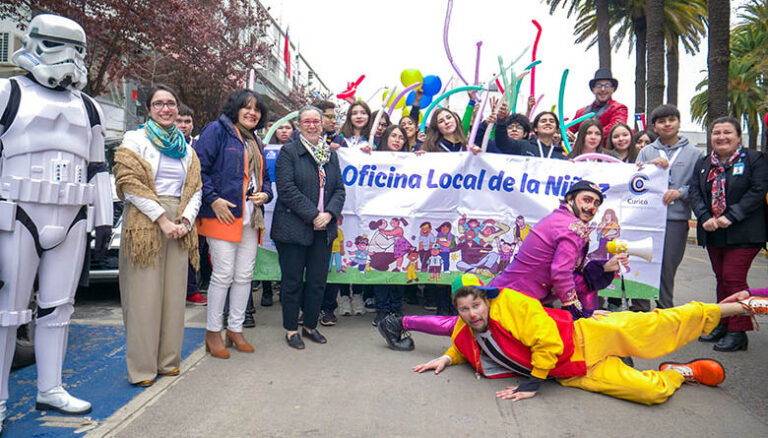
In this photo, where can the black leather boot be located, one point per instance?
(715, 335)
(732, 341)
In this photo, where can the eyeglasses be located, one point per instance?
(311, 122)
(603, 86)
(170, 104)
(515, 127)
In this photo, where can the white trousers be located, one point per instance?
(232, 272)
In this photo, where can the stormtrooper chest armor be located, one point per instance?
(46, 148)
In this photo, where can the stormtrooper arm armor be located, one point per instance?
(97, 170)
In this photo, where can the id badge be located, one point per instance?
(738, 169)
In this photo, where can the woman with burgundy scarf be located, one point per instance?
(727, 193)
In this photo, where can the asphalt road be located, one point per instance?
(354, 386)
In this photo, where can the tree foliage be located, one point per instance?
(202, 48)
(747, 74)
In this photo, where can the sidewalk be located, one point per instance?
(354, 386)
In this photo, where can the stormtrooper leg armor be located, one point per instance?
(49, 251)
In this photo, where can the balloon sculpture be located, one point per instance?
(349, 93)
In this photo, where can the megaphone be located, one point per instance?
(640, 248)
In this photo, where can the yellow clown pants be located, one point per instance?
(601, 343)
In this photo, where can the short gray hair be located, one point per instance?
(308, 108)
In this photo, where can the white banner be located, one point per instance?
(476, 210)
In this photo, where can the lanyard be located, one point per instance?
(671, 160)
(541, 149)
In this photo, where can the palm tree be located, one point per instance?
(718, 59)
(654, 15)
(602, 20)
(747, 79)
(684, 21)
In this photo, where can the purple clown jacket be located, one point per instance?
(553, 263)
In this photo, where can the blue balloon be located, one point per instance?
(410, 98)
(426, 99)
(432, 85)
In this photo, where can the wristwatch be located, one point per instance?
(188, 225)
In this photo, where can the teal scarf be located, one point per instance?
(170, 143)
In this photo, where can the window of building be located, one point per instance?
(4, 49)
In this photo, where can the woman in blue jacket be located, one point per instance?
(236, 186)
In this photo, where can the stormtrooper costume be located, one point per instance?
(54, 188)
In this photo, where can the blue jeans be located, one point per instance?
(335, 257)
(389, 297)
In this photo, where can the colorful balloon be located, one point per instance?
(442, 97)
(351, 89)
(399, 99)
(566, 142)
(277, 124)
(432, 85)
(445, 41)
(476, 125)
(533, 56)
(477, 63)
(410, 76)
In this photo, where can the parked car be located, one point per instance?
(105, 269)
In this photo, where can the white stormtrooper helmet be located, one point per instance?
(54, 52)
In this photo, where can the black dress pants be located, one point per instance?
(304, 274)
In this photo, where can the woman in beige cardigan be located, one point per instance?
(158, 176)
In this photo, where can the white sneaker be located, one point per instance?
(58, 399)
(345, 307)
(357, 304)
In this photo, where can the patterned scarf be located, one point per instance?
(716, 176)
(170, 143)
(320, 152)
(254, 170)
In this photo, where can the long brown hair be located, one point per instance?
(578, 146)
(631, 152)
(434, 137)
(384, 142)
(348, 130)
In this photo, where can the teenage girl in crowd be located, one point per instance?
(283, 133)
(644, 138)
(384, 123)
(356, 127)
(621, 143)
(444, 133)
(411, 123)
(588, 140)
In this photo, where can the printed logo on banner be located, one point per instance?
(638, 183)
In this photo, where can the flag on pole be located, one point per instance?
(287, 55)
(639, 122)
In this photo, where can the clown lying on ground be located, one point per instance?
(503, 333)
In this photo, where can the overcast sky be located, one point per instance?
(343, 39)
